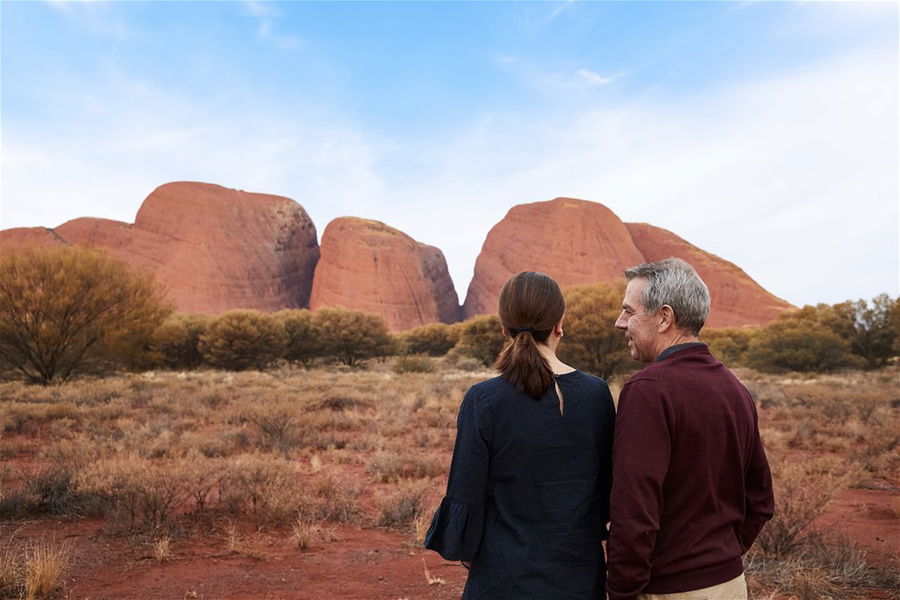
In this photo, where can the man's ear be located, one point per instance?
(666, 318)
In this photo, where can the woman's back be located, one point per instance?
(528, 495)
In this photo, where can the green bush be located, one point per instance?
(591, 341)
(352, 336)
(301, 335)
(434, 339)
(730, 344)
(799, 346)
(242, 339)
(177, 340)
(482, 338)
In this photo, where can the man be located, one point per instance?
(691, 484)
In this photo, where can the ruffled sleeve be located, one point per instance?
(456, 529)
(458, 524)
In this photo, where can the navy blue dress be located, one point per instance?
(528, 493)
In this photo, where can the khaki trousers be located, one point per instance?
(736, 589)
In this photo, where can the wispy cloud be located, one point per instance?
(596, 79)
(266, 15)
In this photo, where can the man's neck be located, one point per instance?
(675, 340)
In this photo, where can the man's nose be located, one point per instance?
(621, 322)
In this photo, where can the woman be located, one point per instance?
(528, 493)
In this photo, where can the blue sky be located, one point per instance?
(765, 132)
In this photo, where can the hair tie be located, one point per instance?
(514, 331)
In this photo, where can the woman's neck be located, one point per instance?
(556, 365)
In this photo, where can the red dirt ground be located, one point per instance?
(354, 564)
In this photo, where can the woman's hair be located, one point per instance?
(530, 306)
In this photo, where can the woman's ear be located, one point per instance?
(558, 328)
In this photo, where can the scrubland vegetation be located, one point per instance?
(250, 426)
(292, 453)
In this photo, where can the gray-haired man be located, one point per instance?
(691, 484)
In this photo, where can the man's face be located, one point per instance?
(640, 329)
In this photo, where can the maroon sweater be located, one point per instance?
(691, 484)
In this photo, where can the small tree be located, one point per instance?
(591, 340)
(65, 309)
(434, 339)
(874, 334)
(482, 338)
(177, 340)
(352, 336)
(729, 344)
(242, 339)
(301, 335)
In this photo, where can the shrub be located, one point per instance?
(413, 364)
(389, 465)
(242, 339)
(434, 339)
(591, 341)
(798, 346)
(262, 486)
(136, 490)
(802, 493)
(352, 336)
(302, 341)
(64, 309)
(482, 338)
(401, 507)
(177, 340)
(730, 344)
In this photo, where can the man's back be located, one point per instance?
(691, 485)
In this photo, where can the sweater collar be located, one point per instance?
(677, 348)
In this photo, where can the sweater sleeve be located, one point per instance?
(641, 455)
(457, 526)
(760, 505)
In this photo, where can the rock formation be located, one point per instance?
(580, 242)
(737, 300)
(366, 265)
(573, 241)
(215, 249)
(210, 247)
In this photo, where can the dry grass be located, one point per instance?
(44, 565)
(295, 450)
(162, 549)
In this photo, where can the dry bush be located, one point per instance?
(413, 363)
(821, 568)
(391, 465)
(403, 505)
(277, 423)
(135, 491)
(261, 486)
(336, 499)
(802, 492)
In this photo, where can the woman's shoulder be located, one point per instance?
(582, 378)
(489, 388)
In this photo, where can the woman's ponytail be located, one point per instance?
(530, 306)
